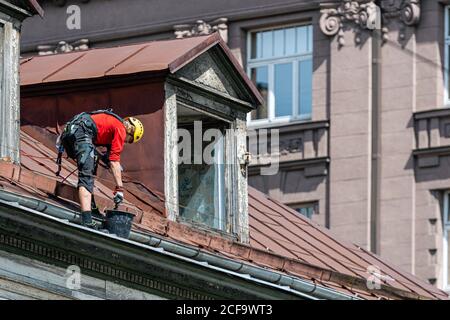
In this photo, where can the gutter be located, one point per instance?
(294, 285)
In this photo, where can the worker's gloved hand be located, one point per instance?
(118, 195)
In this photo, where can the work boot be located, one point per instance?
(86, 220)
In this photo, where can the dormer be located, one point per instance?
(207, 101)
(193, 98)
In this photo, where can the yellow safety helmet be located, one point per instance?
(138, 128)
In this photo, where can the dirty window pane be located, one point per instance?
(201, 188)
(305, 87)
(283, 89)
(201, 175)
(260, 78)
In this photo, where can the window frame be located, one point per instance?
(230, 171)
(314, 204)
(446, 56)
(295, 59)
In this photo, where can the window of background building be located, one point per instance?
(446, 246)
(447, 56)
(307, 209)
(280, 64)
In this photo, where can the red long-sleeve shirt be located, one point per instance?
(110, 131)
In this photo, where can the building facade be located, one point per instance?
(206, 234)
(358, 91)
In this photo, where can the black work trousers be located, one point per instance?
(77, 140)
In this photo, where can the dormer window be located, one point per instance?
(207, 102)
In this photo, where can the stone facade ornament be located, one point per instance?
(291, 146)
(363, 15)
(201, 27)
(63, 47)
(407, 11)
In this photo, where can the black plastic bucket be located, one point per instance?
(119, 223)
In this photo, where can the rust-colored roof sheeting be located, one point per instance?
(154, 56)
(274, 224)
(281, 240)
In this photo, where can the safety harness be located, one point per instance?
(69, 129)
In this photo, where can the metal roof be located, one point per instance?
(103, 63)
(281, 240)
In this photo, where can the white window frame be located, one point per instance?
(221, 205)
(446, 232)
(447, 56)
(270, 63)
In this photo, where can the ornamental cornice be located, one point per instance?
(367, 15)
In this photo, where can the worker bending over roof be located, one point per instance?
(82, 134)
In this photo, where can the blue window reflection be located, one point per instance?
(280, 64)
(305, 87)
(283, 89)
(267, 44)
